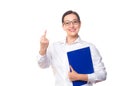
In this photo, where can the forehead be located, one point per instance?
(70, 17)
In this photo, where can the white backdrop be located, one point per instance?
(22, 22)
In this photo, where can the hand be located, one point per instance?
(73, 75)
(43, 44)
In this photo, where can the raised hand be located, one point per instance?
(44, 42)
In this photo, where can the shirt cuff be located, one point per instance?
(40, 58)
(91, 78)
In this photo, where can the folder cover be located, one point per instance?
(81, 62)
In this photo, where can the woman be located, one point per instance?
(56, 55)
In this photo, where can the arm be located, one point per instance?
(99, 70)
(43, 60)
(43, 57)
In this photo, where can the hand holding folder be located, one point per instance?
(81, 62)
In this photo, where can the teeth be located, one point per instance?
(72, 30)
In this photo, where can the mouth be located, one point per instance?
(72, 30)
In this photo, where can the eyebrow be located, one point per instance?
(72, 20)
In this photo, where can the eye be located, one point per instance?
(67, 23)
(75, 22)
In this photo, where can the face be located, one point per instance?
(71, 25)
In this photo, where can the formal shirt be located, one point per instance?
(56, 56)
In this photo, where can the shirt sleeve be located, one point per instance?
(99, 68)
(44, 61)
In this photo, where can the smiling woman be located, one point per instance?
(56, 55)
(22, 22)
(71, 24)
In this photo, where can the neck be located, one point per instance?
(71, 39)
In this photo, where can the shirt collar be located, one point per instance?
(76, 41)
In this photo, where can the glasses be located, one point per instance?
(74, 22)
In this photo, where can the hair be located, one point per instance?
(70, 12)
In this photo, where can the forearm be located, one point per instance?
(97, 76)
(83, 77)
(42, 51)
(43, 61)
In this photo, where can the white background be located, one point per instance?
(22, 22)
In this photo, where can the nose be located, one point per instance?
(71, 24)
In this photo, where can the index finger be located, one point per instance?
(44, 35)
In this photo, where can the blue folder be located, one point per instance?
(81, 62)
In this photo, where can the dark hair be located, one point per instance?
(70, 12)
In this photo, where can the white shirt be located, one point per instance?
(56, 57)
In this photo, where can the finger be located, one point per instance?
(45, 32)
(71, 69)
(43, 37)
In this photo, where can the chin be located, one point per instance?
(73, 34)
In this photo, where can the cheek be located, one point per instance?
(64, 28)
(78, 28)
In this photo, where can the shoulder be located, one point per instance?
(95, 53)
(87, 43)
(91, 45)
(94, 50)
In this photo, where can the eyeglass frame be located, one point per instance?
(74, 22)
